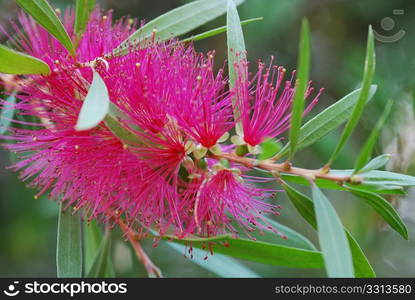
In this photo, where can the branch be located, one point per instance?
(276, 168)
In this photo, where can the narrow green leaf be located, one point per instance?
(114, 120)
(69, 246)
(379, 177)
(92, 240)
(219, 264)
(386, 187)
(44, 14)
(293, 238)
(368, 73)
(93, 237)
(236, 53)
(216, 31)
(367, 150)
(361, 265)
(301, 87)
(326, 121)
(333, 240)
(176, 22)
(83, 11)
(100, 265)
(95, 106)
(302, 203)
(384, 209)
(269, 148)
(376, 163)
(235, 40)
(13, 62)
(257, 251)
(305, 207)
(7, 113)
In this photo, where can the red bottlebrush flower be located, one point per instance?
(265, 102)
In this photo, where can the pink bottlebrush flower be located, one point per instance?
(94, 169)
(173, 80)
(265, 102)
(216, 201)
(170, 99)
(202, 107)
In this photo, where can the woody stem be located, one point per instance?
(276, 168)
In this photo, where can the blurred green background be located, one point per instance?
(339, 32)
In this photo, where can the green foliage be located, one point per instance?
(366, 152)
(7, 113)
(93, 238)
(305, 207)
(326, 121)
(83, 11)
(269, 148)
(384, 209)
(292, 238)
(377, 177)
(176, 22)
(236, 53)
(258, 251)
(102, 265)
(13, 62)
(368, 74)
(216, 31)
(96, 105)
(302, 203)
(380, 182)
(219, 264)
(69, 255)
(376, 163)
(114, 120)
(361, 265)
(333, 240)
(300, 87)
(44, 14)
